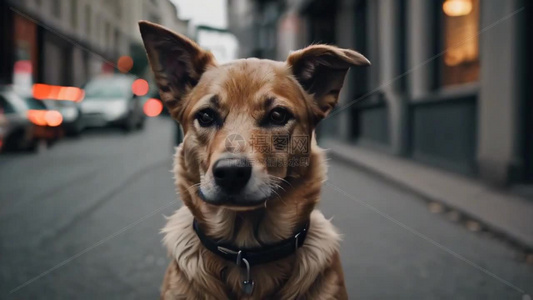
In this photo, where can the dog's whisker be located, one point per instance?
(277, 186)
(273, 187)
(193, 186)
(276, 178)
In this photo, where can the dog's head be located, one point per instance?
(248, 124)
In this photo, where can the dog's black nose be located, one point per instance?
(232, 174)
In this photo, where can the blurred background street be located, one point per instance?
(58, 204)
(92, 208)
(431, 148)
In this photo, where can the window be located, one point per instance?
(35, 104)
(118, 9)
(74, 14)
(98, 30)
(100, 34)
(56, 8)
(88, 20)
(461, 41)
(117, 40)
(106, 89)
(107, 36)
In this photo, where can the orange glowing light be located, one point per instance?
(140, 87)
(56, 92)
(457, 8)
(152, 107)
(37, 117)
(53, 118)
(50, 118)
(124, 64)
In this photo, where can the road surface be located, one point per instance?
(82, 220)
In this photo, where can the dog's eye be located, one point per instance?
(206, 117)
(279, 116)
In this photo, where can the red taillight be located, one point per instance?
(37, 117)
(140, 87)
(152, 107)
(56, 92)
(53, 118)
(50, 118)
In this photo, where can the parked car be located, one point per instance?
(28, 124)
(109, 101)
(71, 112)
(3, 127)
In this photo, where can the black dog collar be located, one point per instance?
(257, 255)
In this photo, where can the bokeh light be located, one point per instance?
(153, 107)
(457, 8)
(140, 87)
(56, 92)
(124, 64)
(37, 117)
(50, 118)
(53, 118)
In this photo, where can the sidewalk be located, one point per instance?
(504, 213)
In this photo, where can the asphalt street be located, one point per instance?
(82, 220)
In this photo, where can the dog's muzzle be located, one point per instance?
(231, 178)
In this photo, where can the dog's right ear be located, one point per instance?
(177, 63)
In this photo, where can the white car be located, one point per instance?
(109, 101)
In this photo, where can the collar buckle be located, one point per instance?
(239, 258)
(296, 236)
(296, 240)
(229, 251)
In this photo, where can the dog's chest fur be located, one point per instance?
(197, 273)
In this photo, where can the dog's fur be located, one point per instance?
(243, 93)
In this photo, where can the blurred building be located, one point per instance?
(68, 41)
(449, 84)
(222, 43)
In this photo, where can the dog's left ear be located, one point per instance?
(320, 70)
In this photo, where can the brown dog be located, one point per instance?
(249, 171)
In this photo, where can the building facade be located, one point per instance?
(449, 84)
(69, 41)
